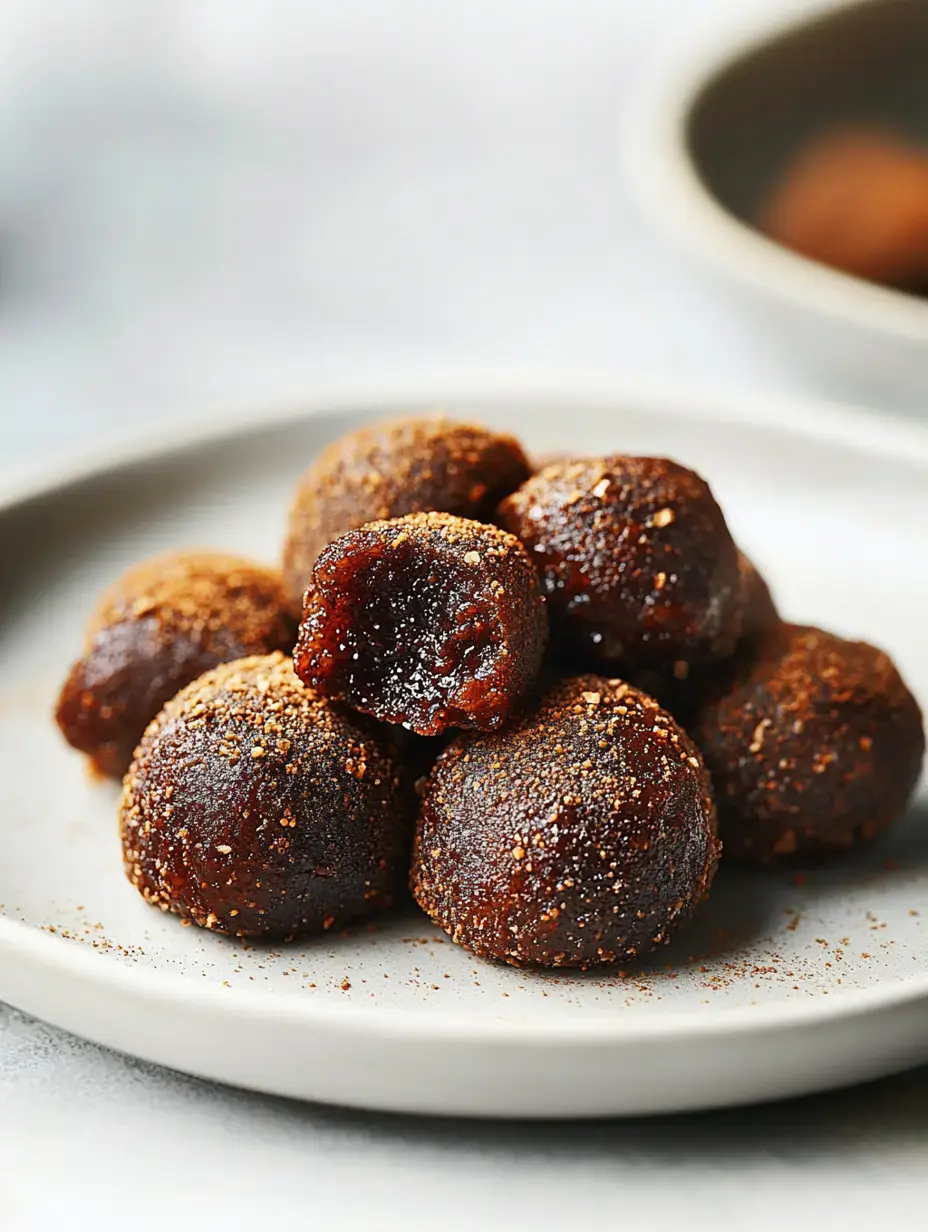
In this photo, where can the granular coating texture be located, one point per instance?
(857, 199)
(816, 746)
(255, 808)
(164, 623)
(390, 469)
(429, 620)
(635, 559)
(584, 835)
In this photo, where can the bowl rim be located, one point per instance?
(666, 176)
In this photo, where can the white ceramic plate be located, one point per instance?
(784, 985)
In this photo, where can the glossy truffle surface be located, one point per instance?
(256, 809)
(584, 835)
(686, 691)
(761, 617)
(430, 620)
(818, 745)
(164, 623)
(390, 469)
(635, 559)
(857, 199)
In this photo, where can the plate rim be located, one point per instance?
(822, 419)
(850, 428)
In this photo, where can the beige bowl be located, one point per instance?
(711, 137)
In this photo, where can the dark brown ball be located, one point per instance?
(635, 559)
(390, 469)
(584, 835)
(430, 620)
(256, 809)
(686, 691)
(164, 623)
(761, 617)
(816, 746)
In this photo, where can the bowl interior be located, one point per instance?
(862, 64)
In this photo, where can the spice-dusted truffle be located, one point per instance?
(429, 620)
(635, 559)
(255, 808)
(584, 835)
(164, 623)
(817, 745)
(390, 469)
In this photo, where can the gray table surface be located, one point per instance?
(225, 214)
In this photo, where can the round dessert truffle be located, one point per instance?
(635, 559)
(390, 469)
(584, 835)
(430, 620)
(761, 617)
(816, 746)
(857, 199)
(685, 691)
(164, 623)
(255, 808)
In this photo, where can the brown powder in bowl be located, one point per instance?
(856, 199)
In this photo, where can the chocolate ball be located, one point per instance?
(164, 623)
(584, 835)
(386, 470)
(255, 808)
(430, 620)
(816, 746)
(635, 559)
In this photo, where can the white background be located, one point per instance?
(219, 204)
(214, 204)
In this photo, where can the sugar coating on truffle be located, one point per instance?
(217, 595)
(386, 470)
(584, 835)
(635, 559)
(817, 746)
(255, 808)
(429, 620)
(158, 627)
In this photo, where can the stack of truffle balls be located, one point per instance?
(544, 699)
